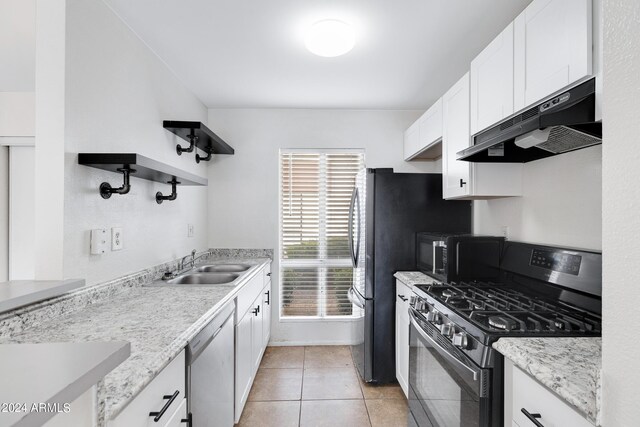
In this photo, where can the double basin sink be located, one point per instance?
(213, 274)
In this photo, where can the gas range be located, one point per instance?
(473, 315)
(455, 376)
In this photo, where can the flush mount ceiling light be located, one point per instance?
(330, 38)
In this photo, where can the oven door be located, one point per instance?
(445, 388)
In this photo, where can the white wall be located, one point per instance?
(117, 95)
(49, 153)
(561, 203)
(17, 45)
(243, 189)
(4, 213)
(621, 219)
(21, 213)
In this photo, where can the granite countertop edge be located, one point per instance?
(160, 360)
(569, 367)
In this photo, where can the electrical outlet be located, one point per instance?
(505, 231)
(190, 230)
(116, 239)
(98, 241)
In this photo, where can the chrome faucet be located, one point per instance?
(193, 259)
(181, 265)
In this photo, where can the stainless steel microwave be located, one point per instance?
(455, 257)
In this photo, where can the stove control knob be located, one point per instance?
(460, 340)
(434, 317)
(447, 330)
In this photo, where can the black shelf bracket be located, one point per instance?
(174, 193)
(193, 139)
(199, 158)
(106, 190)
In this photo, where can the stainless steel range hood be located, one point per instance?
(559, 125)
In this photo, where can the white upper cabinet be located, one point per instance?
(492, 82)
(455, 137)
(422, 139)
(464, 180)
(552, 48)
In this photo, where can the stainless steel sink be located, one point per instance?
(223, 268)
(203, 279)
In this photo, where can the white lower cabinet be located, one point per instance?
(155, 397)
(266, 317)
(403, 293)
(252, 334)
(523, 392)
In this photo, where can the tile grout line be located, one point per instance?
(304, 358)
(364, 400)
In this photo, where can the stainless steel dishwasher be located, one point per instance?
(210, 373)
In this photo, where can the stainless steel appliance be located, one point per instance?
(387, 210)
(563, 123)
(210, 373)
(449, 257)
(455, 376)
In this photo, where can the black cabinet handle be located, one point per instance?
(532, 417)
(402, 297)
(268, 301)
(462, 183)
(268, 274)
(256, 310)
(158, 415)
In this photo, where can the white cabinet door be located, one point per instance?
(455, 137)
(492, 82)
(411, 140)
(403, 293)
(244, 362)
(422, 139)
(430, 125)
(266, 316)
(257, 313)
(553, 48)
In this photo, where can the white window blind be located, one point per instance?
(315, 264)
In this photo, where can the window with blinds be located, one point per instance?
(315, 263)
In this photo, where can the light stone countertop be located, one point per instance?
(157, 321)
(570, 367)
(67, 371)
(412, 278)
(17, 293)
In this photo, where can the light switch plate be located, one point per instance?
(98, 241)
(116, 239)
(190, 230)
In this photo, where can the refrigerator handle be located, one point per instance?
(354, 248)
(351, 296)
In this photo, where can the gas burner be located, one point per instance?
(502, 322)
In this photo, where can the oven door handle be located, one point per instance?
(442, 351)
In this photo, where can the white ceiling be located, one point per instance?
(242, 53)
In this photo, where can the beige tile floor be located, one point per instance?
(317, 387)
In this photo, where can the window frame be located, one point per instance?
(317, 263)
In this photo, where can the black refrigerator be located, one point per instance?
(387, 210)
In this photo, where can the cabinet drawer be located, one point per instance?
(176, 419)
(403, 290)
(151, 398)
(537, 399)
(248, 294)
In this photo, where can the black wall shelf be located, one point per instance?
(206, 139)
(145, 167)
(137, 166)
